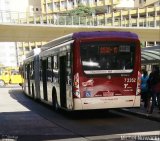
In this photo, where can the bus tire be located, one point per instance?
(54, 100)
(2, 83)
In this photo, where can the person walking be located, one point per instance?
(144, 87)
(153, 83)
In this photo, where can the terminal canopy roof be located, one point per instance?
(150, 55)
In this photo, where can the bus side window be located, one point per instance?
(28, 71)
(44, 66)
(55, 68)
(55, 62)
(25, 72)
(40, 70)
(49, 69)
(32, 70)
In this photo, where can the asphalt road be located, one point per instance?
(23, 119)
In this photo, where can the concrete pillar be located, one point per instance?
(147, 24)
(23, 47)
(46, 7)
(112, 18)
(121, 18)
(75, 4)
(138, 17)
(29, 44)
(53, 5)
(129, 17)
(155, 43)
(60, 5)
(67, 5)
(90, 3)
(155, 15)
(146, 43)
(97, 2)
(105, 19)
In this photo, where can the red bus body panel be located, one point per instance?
(108, 88)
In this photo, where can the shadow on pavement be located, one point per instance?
(39, 122)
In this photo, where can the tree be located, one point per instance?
(81, 10)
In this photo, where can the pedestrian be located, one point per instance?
(153, 85)
(144, 87)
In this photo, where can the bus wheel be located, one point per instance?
(2, 83)
(54, 101)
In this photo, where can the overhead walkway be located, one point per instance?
(24, 27)
(150, 55)
(38, 33)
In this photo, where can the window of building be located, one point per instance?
(50, 6)
(32, 47)
(26, 48)
(20, 49)
(63, 4)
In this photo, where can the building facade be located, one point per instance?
(146, 3)
(8, 54)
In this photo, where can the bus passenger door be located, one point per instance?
(44, 79)
(69, 96)
(63, 81)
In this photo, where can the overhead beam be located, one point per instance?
(38, 33)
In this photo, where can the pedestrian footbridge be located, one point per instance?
(26, 27)
(42, 32)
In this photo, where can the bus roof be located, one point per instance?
(58, 41)
(97, 34)
(105, 34)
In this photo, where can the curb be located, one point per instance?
(142, 115)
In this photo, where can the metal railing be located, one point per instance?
(100, 20)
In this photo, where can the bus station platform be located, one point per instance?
(142, 112)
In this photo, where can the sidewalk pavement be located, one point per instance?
(142, 112)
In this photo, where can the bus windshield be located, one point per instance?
(107, 57)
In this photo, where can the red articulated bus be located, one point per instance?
(86, 70)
